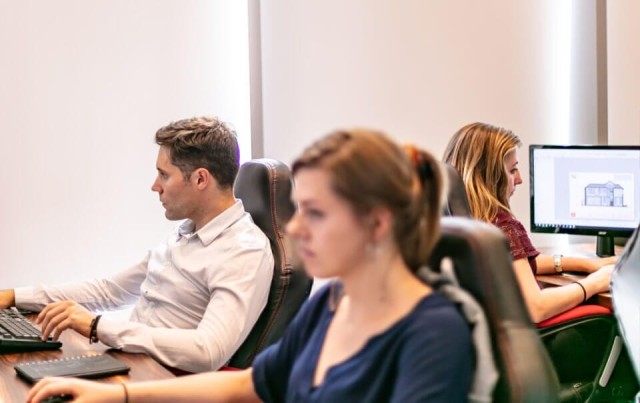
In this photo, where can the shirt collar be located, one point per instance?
(213, 228)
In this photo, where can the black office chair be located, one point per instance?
(264, 186)
(457, 203)
(591, 361)
(482, 264)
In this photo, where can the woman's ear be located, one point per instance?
(381, 223)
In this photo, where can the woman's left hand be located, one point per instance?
(82, 391)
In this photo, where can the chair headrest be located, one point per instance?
(457, 203)
(264, 186)
(483, 266)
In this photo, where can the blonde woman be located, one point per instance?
(487, 158)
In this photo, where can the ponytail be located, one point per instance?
(426, 208)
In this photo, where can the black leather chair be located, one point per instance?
(482, 264)
(457, 203)
(590, 358)
(264, 186)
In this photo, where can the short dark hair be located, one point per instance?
(202, 142)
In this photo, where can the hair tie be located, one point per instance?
(412, 153)
(425, 170)
(422, 167)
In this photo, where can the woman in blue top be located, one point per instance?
(368, 216)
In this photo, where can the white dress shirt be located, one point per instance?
(196, 296)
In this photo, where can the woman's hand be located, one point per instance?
(592, 265)
(600, 279)
(82, 391)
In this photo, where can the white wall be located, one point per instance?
(83, 88)
(623, 70)
(421, 69)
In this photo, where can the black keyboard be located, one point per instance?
(84, 366)
(18, 334)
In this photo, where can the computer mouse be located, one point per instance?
(58, 399)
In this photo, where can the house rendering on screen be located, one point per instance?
(604, 194)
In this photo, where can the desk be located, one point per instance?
(587, 250)
(14, 389)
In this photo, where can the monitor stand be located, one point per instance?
(604, 246)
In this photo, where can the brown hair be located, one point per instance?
(202, 142)
(478, 151)
(369, 170)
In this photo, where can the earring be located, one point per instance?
(372, 249)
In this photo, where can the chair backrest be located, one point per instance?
(264, 186)
(457, 203)
(482, 264)
(625, 284)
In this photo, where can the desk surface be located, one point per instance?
(587, 250)
(14, 389)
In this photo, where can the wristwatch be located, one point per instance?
(557, 263)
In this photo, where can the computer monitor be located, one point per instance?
(585, 190)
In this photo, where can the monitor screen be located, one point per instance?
(585, 190)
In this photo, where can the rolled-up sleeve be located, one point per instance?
(97, 295)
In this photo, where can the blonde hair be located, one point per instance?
(478, 151)
(369, 170)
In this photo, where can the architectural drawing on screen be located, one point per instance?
(604, 195)
(600, 196)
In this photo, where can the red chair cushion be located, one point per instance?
(230, 369)
(574, 313)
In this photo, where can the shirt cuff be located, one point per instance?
(108, 330)
(25, 298)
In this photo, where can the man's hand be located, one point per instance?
(59, 316)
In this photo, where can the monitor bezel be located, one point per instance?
(591, 230)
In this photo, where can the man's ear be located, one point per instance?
(201, 178)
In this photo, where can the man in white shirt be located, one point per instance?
(198, 294)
